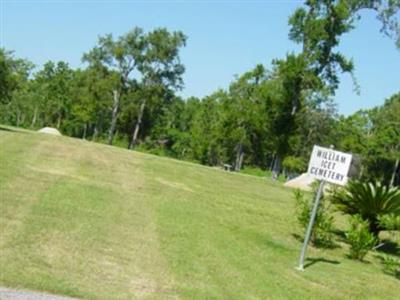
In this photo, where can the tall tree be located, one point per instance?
(293, 82)
(14, 74)
(385, 139)
(160, 68)
(241, 117)
(206, 131)
(55, 83)
(122, 55)
(319, 27)
(91, 95)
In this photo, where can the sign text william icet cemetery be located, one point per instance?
(329, 165)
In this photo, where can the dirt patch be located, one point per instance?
(143, 287)
(57, 172)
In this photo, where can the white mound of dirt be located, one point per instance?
(302, 182)
(49, 130)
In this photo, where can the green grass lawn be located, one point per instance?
(99, 222)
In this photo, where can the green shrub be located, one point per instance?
(360, 239)
(391, 265)
(369, 200)
(321, 234)
(390, 222)
(294, 164)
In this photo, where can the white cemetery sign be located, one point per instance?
(329, 165)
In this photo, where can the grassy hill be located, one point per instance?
(99, 222)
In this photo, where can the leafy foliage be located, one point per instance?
(391, 265)
(294, 164)
(390, 222)
(13, 75)
(359, 238)
(321, 234)
(153, 57)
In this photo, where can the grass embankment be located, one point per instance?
(99, 222)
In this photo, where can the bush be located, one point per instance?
(391, 265)
(321, 234)
(390, 222)
(294, 164)
(369, 200)
(359, 237)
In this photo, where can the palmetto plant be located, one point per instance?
(369, 200)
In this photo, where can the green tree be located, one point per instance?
(385, 136)
(54, 83)
(171, 130)
(318, 27)
(294, 82)
(92, 97)
(206, 131)
(241, 115)
(14, 79)
(13, 72)
(316, 126)
(160, 68)
(122, 55)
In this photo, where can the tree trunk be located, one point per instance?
(23, 118)
(239, 157)
(396, 165)
(276, 170)
(135, 134)
(34, 117)
(294, 107)
(84, 131)
(18, 117)
(114, 117)
(183, 153)
(271, 166)
(59, 121)
(95, 132)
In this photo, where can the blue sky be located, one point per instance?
(224, 38)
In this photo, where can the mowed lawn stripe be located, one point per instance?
(88, 233)
(18, 152)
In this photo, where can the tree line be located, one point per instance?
(266, 118)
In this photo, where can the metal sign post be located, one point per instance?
(310, 226)
(325, 165)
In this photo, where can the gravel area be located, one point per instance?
(8, 294)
